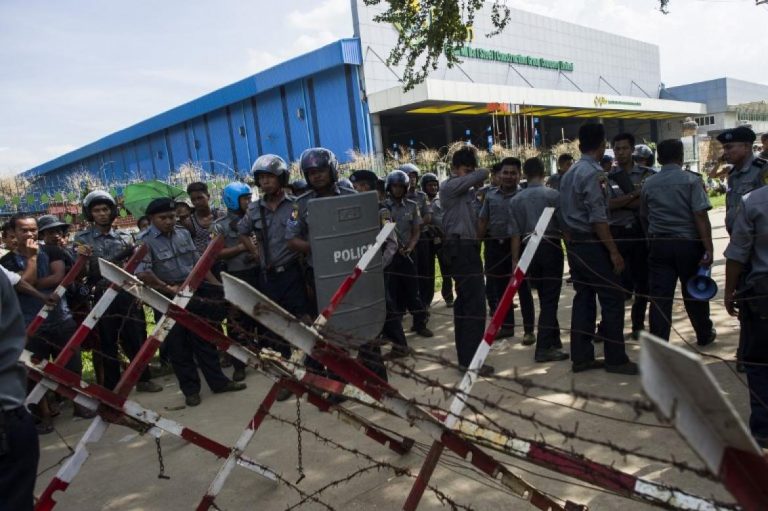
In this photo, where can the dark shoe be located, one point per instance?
(625, 368)
(505, 333)
(709, 340)
(44, 428)
(231, 386)
(587, 366)
(449, 303)
(413, 328)
(569, 280)
(551, 355)
(635, 335)
(284, 394)
(397, 352)
(740, 367)
(424, 332)
(83, 412)
(148, 386)
(485, 370)
(529, 339)
(192, 399)
(238, 374)
(336, 399)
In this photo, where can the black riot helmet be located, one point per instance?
(271, 164)
(396, 177)
(319, 158)
(426, 179)
(364, 176)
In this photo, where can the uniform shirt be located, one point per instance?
(526, 207)
(749, 239)
(170, 257)
(669, 199)
(31, 305)
(459, 203)
(554, 181)
(273, 224)
(625, 217)
(495, 209)
(405, 215)
(740, 182)
(583, 196)
(420, 198)
(228, 226)
(109, 246)
(13, 376)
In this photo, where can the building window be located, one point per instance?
(753, 117)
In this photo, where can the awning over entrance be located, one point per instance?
(462, 98)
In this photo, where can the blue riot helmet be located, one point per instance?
(271, 164)
(319, 158)
(232, 193)
(396, 177)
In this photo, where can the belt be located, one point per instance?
(583, 236)
(281, 269)
(18, 412)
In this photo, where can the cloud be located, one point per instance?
(259, 59)
(328, 15)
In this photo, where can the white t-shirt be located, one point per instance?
(13, 277)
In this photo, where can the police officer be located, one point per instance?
(170, 258)
(643, 156)
(746, 284)
(546, 267)
(493, 228)
(402, 277)
(433, 231)
(564, 162)
(461, 249)
(748, 172)
(625, 183)
(19, 446)
(236, 259)
(364, 180)
(675, 204)
(123, 322)
(764, 141)
(421, 254)
(281, 277)
(594, 259)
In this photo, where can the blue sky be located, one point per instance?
(76, 70)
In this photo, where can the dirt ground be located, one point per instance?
(122, 472)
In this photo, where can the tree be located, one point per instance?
(430, 29)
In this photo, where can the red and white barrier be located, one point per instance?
(69, 278)
(89, 323)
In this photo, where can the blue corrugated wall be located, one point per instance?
(323, 108)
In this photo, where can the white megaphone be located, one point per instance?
(701, 286)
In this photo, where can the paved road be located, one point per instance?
(122, 472)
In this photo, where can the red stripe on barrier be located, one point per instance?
(46, 502)
(745, 475)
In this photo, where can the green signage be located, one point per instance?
(601, 101)
(524, 60)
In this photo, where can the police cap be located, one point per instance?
(739, 134)
(161, 205)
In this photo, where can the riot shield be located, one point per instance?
(341, 229)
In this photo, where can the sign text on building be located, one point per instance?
(525, 60)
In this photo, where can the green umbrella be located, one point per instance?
(139, 195)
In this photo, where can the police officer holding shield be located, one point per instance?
(594, 259)
(675, 205)
(461, 250)
(746, 284)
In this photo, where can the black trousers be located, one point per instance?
(240, 326)
(287, 289)
(546, 274)
(50, 338)
(393, 322)
(469, 312)
(754, 324)
(403, 287)
(187, 351)
(424, 258)
(634, 249)
(123, 323)
(18, 465)
(593, 278)
(670, 261)
(498, 270)
(446, 286)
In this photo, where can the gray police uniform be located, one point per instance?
(461, 252)
(402, 279)
(498, 258)
(629, 236)
(583, 202)
(124, 320)
(546, 268)
(669, 200)
(741, 181)
(281, 277)
(19, 448)
(172, 257)
(749, 246)
(436, 228)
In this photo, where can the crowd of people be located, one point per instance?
(629, 230)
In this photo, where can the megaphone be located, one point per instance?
(701, 286)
